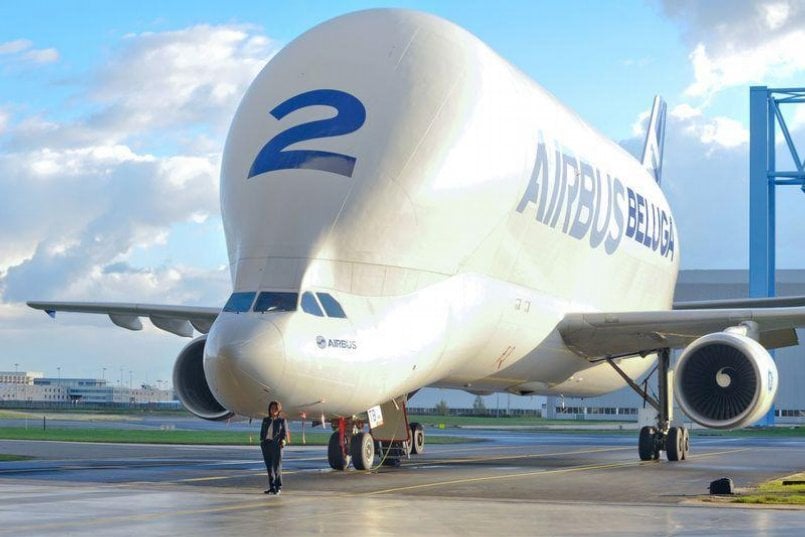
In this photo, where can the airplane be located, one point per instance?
(403, 208)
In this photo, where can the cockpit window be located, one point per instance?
(276, 301)
(239, 302)
(331, 306)
(309, 305)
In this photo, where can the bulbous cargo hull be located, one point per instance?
(391, 138)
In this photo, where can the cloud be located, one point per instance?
(79, 196)
(797, 122)
(45, 55)
(705, 171)
(715, 132)
(735, 43)
(639, 126)
(22, 51)
(711, 132)
(186, 77)
(4, 117)
(706, 181)
(15, 47)
(110, 200)
(176, 88)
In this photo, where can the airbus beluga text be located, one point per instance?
(403, 208)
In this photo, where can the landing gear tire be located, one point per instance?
(362, 449)
(685, 443)
(336, 453)
(646, 445)
(675, 444)
(417, 439)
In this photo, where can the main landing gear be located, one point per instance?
(675, 441)
(349, 443)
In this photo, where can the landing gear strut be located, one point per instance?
(675, 441)
(393, 438)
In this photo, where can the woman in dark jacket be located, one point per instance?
(274, 434)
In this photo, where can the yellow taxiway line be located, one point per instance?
(536, 473)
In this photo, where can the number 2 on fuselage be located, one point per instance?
(350, 117)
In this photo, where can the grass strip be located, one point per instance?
(11, 458)
(775, 493)
(785, 431)
(132, 436)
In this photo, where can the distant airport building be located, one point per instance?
(31, 387)
(703, 285)
(29, 393)
(19, 377)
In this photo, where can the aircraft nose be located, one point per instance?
(243, 361)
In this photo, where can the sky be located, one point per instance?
(113, 118)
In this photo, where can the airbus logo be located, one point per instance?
(347, 344)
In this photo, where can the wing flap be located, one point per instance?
(610, 334)
(776, 339)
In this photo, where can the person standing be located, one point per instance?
(274, 435)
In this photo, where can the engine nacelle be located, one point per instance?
(191, 384)
(725, 380)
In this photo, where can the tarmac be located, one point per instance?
(511, 483)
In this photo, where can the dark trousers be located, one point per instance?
(272, 456)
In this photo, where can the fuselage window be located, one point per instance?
(276, 301)
(331, 306)
(309, 305)
(239, 302)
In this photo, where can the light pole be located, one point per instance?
(130, 372)
(103, 377)
(59, 371)
(16, 365)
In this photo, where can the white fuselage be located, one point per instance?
(454, 209)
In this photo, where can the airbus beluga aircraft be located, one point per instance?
(403, 208)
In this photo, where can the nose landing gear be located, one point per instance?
(338, 452)
(393, 439)
(362, 448)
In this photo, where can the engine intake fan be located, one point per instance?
(190, 383)
(725, 380)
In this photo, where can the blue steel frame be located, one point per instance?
(764, 117)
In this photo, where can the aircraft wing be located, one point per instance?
(179, 320)
(595, 335)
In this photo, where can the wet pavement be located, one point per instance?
(514, 483)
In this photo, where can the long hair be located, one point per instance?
(277, 404)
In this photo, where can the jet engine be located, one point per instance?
(725, 380)
(191, 384)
